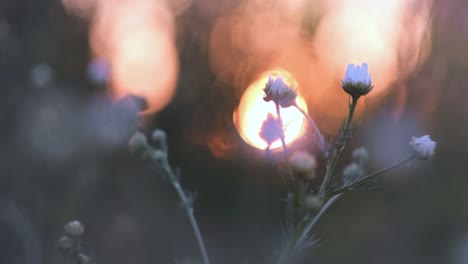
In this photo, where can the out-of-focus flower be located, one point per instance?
(98, 71)
(278, 91)
(138, 143)
(357, 81)
(423, 147)
(41, 75)
(360, 155)
(74, 228)
(65, 243)
(83, 259)
(313, 203)
(303, 165)
(351, 172)
(271, 129)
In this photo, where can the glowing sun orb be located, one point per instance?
(253, 111)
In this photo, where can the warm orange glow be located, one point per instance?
(253, 110)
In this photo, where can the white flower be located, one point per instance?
(423, 147)
(278, 91)
(356, 74)
(74, 228)
(357, 80)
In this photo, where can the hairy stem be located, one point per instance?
(188, 206)
(339, 147)
(303, 233)
(369, 177)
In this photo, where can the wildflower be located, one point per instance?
(313, 203)
(278, 91)
(271, 129)
(423, 147)
(303, 165)
(357, 80)
(74, 228)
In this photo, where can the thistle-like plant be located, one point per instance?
(310, 204)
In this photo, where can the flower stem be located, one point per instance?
(187, 204)
(319, 136)
(339, 147)
(283, 142)
(303, 233)
(369, 177)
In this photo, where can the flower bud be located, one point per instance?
(159, 156)
(357, 81)
(158, 136)
(423, 147)
(351, 172)
(278, 91)
(65, 243)
(83, 259)
(360, 155)
(138, 143)
(74, 229)
(313, 203)
(303, 165)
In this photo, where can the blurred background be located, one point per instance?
(67, 69)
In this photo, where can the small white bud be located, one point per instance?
(83, 259)
(74, 229)
(351, 172)
(313, 203)
(423, 147)
(303, 164)
(138, 143)
(65, 243)
(360, 155)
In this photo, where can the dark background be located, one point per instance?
(64, 156)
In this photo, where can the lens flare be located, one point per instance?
(253, 111)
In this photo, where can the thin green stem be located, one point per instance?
(187, 204)
(283, 142)
(321, 140)
(339, 147)
(369, 177)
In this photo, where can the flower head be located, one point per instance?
(271, 129)
(74, 228)
(423, 147)
(357, 80)
(278, 91)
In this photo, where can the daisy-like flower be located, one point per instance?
(357, 81)
(278, 91)
(423, 147)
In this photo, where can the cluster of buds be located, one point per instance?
(139, 145)
(70, 242)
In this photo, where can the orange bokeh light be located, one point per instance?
(253, 111)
